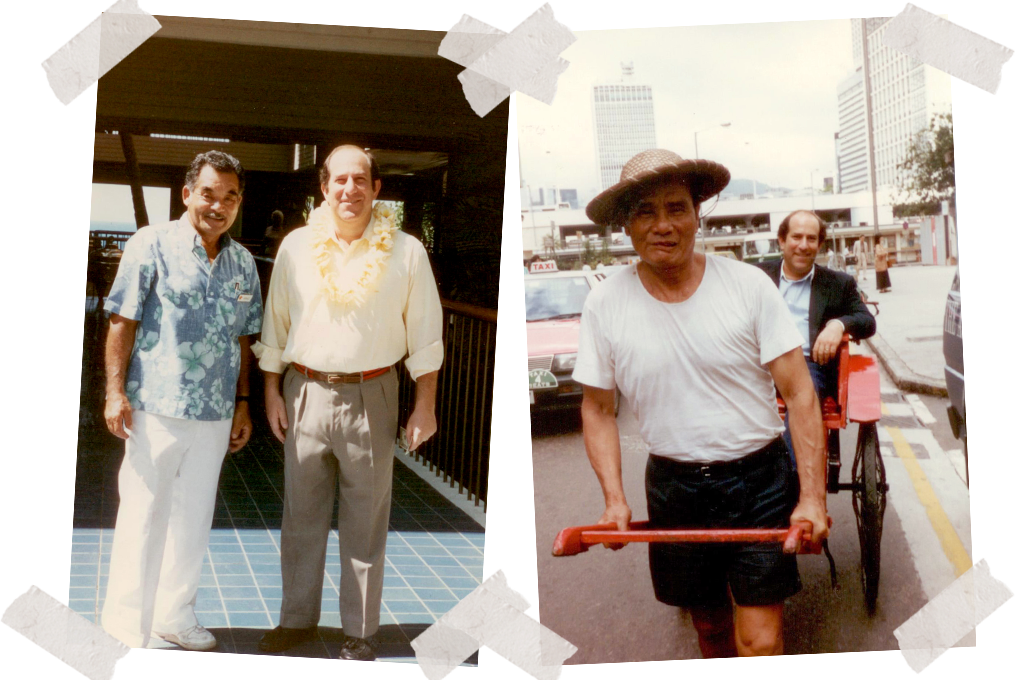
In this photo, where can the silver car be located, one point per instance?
(960, 314)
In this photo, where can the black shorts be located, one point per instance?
(758, 491)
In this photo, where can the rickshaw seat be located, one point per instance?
(833, 412)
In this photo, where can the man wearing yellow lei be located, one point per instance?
(350, 296)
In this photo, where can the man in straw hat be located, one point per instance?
(699, 345)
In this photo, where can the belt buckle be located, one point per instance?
(334, 378)
(704, 471)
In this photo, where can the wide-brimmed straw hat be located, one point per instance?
(704, 178)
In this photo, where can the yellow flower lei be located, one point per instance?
(349, 285)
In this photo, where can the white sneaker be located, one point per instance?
(196, 638)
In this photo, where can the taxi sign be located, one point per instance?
(541, 379)
(543, 266)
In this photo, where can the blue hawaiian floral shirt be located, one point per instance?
(186, 357)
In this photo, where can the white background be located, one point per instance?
(31, 462)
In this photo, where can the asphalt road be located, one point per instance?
(602, 601)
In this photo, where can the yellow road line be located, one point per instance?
(946, 534)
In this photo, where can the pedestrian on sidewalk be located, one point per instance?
(698, 344)
(184, 304)
(882, 280)
(860, 249)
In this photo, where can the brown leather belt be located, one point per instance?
(334, 378)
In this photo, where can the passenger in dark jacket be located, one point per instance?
(825, 303)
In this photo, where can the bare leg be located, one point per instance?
(759, 630)
(715, 630)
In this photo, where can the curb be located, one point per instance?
(902, 375)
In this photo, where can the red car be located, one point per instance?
(553, 307)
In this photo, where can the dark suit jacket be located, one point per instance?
(834, 295)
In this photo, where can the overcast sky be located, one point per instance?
(776, 83)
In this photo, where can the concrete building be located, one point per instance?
(730, 226)
(623, 119)
(905, 94)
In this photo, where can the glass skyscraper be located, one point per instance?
(624, 122)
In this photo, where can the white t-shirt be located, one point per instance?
(694, 371)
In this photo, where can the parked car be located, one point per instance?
(960, 368)
(553, 308)
(960, 311)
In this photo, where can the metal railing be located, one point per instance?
(459, 453)
(104, 240)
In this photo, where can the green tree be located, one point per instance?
(550, 246)
(928, 170)
(429, 225)
(593, 255)
(604, 251)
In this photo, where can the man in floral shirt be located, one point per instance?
(185, 300)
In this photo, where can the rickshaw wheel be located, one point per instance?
(869, 502)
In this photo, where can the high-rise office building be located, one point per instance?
(851, 139)
(624, 123)
(905, 94)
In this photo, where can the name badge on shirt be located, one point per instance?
(245, 298)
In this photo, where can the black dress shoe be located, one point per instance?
(280, 639)
(357, 649)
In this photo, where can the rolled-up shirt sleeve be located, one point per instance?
(424, 318)
(275, 329)
(133, 279)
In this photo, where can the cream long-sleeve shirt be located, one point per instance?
(302, 325)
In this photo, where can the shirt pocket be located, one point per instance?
(243, 302)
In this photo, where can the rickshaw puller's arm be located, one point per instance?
(602, 445)
(793, 381)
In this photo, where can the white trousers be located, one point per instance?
(167, 486)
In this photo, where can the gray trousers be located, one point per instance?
(346, 431)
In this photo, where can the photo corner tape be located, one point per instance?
(492, 615)
(948, 47)
(42, 637)
(526, 60)
(950, 616)
(69, 77)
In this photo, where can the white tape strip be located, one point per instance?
(491, 615)
(950, 616)
(992, 20)
(526, 60)
(99, 47)
(945, 46)
(65, 634)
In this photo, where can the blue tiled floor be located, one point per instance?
(434, 553)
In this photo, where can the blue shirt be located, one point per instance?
(797, 295)
(186, 356)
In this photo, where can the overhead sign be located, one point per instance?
(543, 266)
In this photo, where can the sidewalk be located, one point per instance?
(908, 342)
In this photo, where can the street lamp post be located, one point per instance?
(701, 221)
(835, 248)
